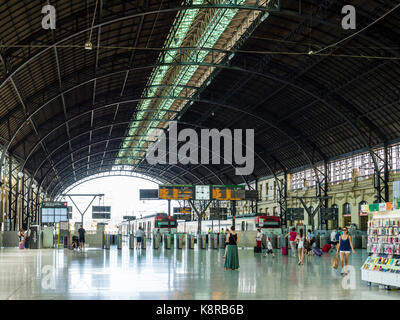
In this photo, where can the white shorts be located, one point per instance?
(345, 251)
(300, 246)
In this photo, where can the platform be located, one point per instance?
(173, 274)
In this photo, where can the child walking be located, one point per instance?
(269, 248)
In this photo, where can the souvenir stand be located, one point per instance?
(383, 263)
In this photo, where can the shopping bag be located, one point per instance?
(335, 262)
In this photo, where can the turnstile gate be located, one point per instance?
(144, 242)
(107, 241)
(222, 239)
(131, 241)
(120, 241)
(213, 241)
(201, 241)
(167, 241)
(156, 241)
(190, 242)
(178, 241)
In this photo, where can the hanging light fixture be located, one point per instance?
(20, 174)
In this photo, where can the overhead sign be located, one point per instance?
(218, 210)
(214, 216)
(205, 192)
(148, 194)
(329, 214)
(129, 218)
(175, 192)
(202, 192)
(182, 210)
(54, 204)
(228, 192)
(251, 194)
(101, 212)
(69, 212)
(186, 217)
(54, 214)
(294, 214)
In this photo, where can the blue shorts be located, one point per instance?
(139, 239)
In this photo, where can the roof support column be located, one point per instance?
(282, 198)
(381, 174)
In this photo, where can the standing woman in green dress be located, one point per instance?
(232, 254)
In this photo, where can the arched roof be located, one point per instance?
(67, 111)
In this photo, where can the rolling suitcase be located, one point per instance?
(257, 249)
(317, 252)
(284, 251)
(326, 248)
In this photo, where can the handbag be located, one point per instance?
(335, 262)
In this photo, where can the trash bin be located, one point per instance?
(167, 241)
(131, 241)
(107, 241)
(156, 241)
(364, 241)
(120, 241)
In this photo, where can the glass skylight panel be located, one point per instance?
(213, 31)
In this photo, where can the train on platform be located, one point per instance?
(160, 221)
(166, 223)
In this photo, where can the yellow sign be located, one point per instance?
(175, 193)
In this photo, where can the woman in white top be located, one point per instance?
(300, 247)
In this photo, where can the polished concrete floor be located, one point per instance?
(175, 274)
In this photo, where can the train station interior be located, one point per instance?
(199, 150)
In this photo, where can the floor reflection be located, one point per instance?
(173, 274)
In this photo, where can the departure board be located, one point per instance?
(175, 192)
(226, 192)
(182, 210)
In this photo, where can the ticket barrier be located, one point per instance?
(120, 241)
(144, 242)
(201, 241)
(167, 241)
(178, 241)
(131, 241)
(213, 241)
(190, 242)
(156, 241)
(222, 239)
(107, 241)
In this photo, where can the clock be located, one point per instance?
(202, 192)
